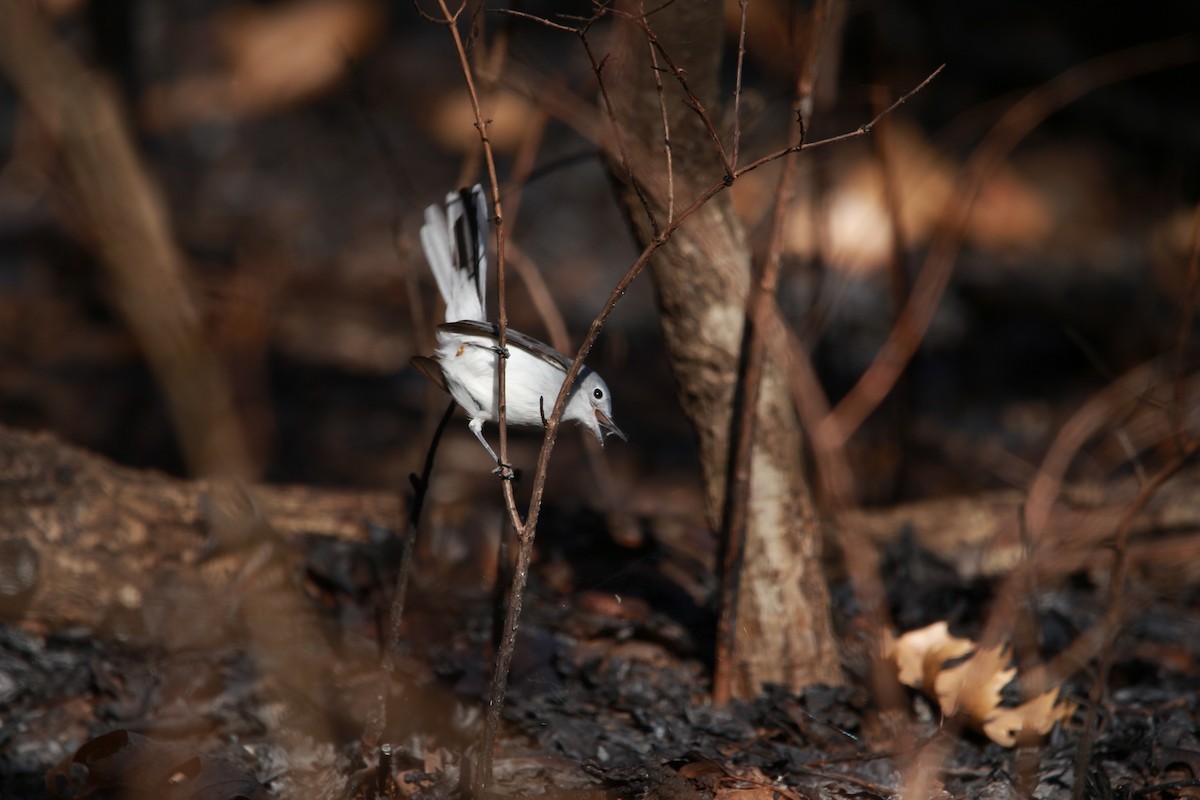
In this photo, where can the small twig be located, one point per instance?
(1189, 300)
(598, 69)
(377, 718)
(1118, 577)
(512, 12)
(142, 263)
(447, 20)
(737, 83)
(483, 773)
(861, 130)
(384, 770)
(693, 100)
(666, 123)
(821, 19)
(1016, 124)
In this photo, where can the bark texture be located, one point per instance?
(703, 277)
(180, 566)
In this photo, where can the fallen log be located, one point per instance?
(85, 543)
(88, 543)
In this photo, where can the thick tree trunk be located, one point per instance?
(703, 276)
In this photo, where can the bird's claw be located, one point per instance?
(505, 471)
(500, 351)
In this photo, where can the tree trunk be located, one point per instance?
(703, 277)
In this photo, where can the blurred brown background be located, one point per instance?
(295, 145)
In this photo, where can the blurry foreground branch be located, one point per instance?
(132, 234)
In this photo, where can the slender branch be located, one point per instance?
(861, 130)
(1114, 613)
(821, 18)
(737, 83)
(512, 12)
(1190, 297)
(482, 126)
(666, 122)
(1016, 124)
(598, 69)
(693, 100)
(377, 718)
(483, 773)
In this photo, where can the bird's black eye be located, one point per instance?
(598, 394)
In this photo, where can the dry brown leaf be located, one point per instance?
(919, 655)
(1028, 722)
(971, 689)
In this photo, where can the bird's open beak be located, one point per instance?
(607, 426)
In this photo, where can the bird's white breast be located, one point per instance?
(470, 366)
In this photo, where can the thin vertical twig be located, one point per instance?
(737, 83)
(450, 21)
(693, 100)
(133, 238)
(377, 717)
(1115, 611)
(482, 775)
(666, 122)
(598, 69)
(1188, 315)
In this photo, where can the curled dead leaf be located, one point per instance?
(971, 688)
(1028, 722)
(919, 655)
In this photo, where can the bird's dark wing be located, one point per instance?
(430, 368)
(514, 338)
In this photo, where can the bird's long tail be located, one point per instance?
(455, 243)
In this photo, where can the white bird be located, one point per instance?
(467, 357)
